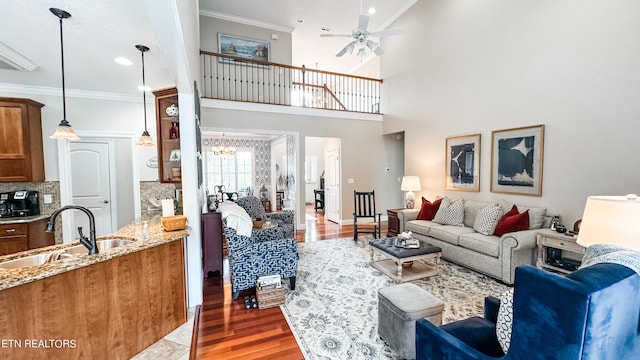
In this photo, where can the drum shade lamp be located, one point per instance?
(613, 220)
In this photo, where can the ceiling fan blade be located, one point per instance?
(396, 31)
(363, 22)
(350, 46)
(378, 51)
(336, 35)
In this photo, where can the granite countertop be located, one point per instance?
(22, 220)
(157, 236)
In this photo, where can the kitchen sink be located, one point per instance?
(32, 260)
(103, 245)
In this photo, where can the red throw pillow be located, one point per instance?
(428, 209)
(513, 211)
(512, 223)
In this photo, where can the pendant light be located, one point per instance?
(64, 131)
(223, 150)
(145, 139)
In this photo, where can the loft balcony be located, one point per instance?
(239, 79)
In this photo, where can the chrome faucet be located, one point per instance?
(89, 243)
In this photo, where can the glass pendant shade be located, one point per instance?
(64, 131)
(145, 139)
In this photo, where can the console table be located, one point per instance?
(212, 244)
(548, 238)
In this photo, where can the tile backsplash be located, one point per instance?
(155, 190)
(44, 188)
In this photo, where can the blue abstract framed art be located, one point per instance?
(243, 47)
(516, 160)
(462, 164)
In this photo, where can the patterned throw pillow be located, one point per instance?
(450, 213)
(428, 209)
(505, 320)
(487, 219)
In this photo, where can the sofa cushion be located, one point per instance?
(487, 219)
(508, 224)
(450, 213)
(484, 244)
(505, 320)
(421, 227)
(471, 208)
(428, 209)
(449, 233)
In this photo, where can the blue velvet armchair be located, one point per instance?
(253, 207)
(591, 314)
(249, 259)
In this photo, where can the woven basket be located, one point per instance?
(270, 297)
(173, 223)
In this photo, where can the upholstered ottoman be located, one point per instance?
(399, 307)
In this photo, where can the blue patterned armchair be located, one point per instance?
(249, 259)
(254, 208)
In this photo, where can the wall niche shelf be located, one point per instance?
(168, 128)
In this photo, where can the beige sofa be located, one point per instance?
(489, 254)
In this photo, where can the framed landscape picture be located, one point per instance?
(516, 160)
(242, 47)
(462, 163)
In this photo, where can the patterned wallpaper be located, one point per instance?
(261, 152)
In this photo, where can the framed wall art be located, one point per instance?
(242, 47)
(516, 160)
(462, 163)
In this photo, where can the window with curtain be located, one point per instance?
(235, 171)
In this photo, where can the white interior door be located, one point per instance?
(91, 185)
(332, 184)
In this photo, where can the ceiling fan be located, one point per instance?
(361, 35)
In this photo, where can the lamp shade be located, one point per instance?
(613, 220)
(410, 183)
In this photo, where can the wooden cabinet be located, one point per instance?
(21, 156)
(393, 223)
(168, 129)
(24, 236)
(212, 244)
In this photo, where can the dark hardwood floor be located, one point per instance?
(226, 330)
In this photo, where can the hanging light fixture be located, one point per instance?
(145, 139)
(222, 149)
(64, 131)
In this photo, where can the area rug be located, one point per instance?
(333, 312)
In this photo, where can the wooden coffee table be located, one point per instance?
(393, 257)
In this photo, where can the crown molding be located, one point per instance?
(246, 21)
(83, 94)
(14, 59)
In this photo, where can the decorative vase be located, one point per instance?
(264, 193)
(174, 132)
(172, 110)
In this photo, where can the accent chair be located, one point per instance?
(590, 314)
(250, 258)
(253, 206)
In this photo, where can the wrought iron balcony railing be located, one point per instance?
(239, 79)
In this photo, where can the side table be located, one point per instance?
(548, 238)
(393, 224)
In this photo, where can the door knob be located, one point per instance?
(106, 201)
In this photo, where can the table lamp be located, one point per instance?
(410, 184)
(613, 220)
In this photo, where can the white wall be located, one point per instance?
(362, 145)
(469, 67)
(125, 115)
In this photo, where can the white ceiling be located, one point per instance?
(100, 30)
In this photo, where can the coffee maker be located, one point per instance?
(19, 204)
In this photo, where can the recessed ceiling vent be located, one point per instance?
(13, 60)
